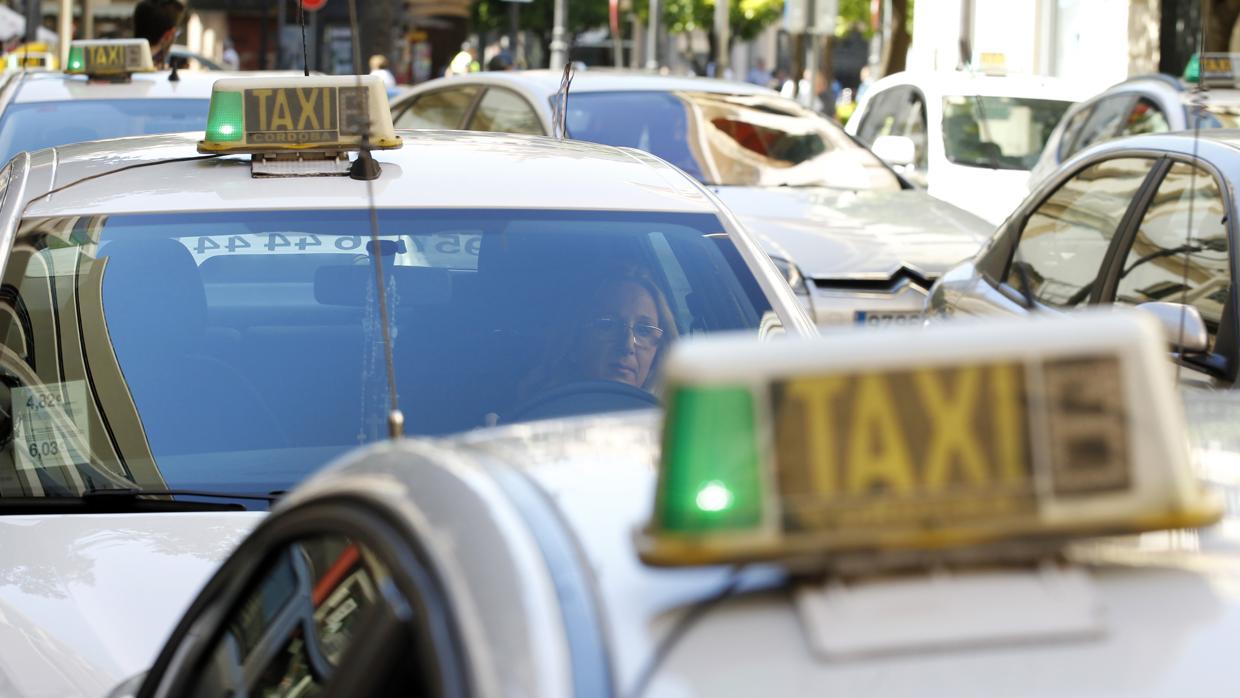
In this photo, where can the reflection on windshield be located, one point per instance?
(230, 351)
(1005, 133)
(732, 140)
(1220, 116)
(36, 125)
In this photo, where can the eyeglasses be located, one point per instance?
(611, 328)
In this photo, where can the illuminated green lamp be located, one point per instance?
(1192, 71)
(226, 118)
(711, 474)
(77, 62)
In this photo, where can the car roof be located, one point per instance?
(57, 87)
(548, 82)
(1174, 141)
(436, 169)
(965, 83)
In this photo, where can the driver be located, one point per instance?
(619, 332)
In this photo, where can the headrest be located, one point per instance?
(153, 296)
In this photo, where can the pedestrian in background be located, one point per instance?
(157, 22)
(230, 58)
(501, 61)
(379, 66)
(758, 74)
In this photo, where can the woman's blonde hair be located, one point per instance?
(556, 364)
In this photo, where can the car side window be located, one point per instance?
(314, 602)
(504, 111)
(1104, 121)
(1172, 261)
(439, 109)
(1145, 117)
(879, 118)
(1064, 241)
(1071, 130)
(911, 122)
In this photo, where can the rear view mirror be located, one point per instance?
(1182, 324)
(897, 151)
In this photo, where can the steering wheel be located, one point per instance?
(583, 397)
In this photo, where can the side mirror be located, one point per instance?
(897, 151)
(1173, 316)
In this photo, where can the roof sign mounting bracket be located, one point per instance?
(334, 164)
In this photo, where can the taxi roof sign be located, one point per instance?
(109, 57)
(272, 115)
(1016, 430)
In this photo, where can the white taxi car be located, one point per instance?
(859, 245)
(970, 139)
(109, 88)
(837, 516)
(192, 325)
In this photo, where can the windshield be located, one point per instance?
(38, 125)
(1005, 133)
(234, 351)
(731, 140)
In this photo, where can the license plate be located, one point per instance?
(304, 115)
(881, 318)
(848, 461)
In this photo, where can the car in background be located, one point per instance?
(97, 99)
(1153, 103)
(969, 139)
(184, 337)
(1146, 220)
(857, 243)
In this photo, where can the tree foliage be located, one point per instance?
(747, 17)
(539, 16)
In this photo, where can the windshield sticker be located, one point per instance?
(419, 250)
(50, 425)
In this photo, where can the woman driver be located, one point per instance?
(618, 333)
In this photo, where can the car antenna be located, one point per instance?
(365, 168)
(559, 125)
(1197, 102)
(305, 55)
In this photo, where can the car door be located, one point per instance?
(1179, 251)
(324, 599)
(446, 108)
(1054, 254)
(504, 111)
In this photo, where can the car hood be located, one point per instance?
(88, 600)
(840, 234)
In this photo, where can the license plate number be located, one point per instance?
(878, 318)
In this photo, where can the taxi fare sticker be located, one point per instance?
(112, 57)
(931, 447)
(278, 115)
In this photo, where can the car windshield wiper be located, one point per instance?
(132, 500)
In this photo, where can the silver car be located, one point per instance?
(857, 243)
(1146, 221)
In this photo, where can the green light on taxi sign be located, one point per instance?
(76, 62)
(225, 121)
(711, 463)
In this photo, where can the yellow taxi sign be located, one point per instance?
(331, 113)
(1219, 69)
(109, 57)
(30, 60)
(985, 434)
